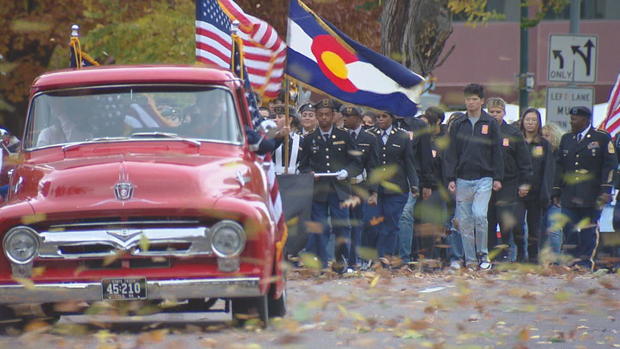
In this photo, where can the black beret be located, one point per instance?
(349, 110)
(581, 111)
(326, 103)
(306, 107)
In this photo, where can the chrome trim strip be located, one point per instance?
(127, 240)
(127, 223)
(156, 289)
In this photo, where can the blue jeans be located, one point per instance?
(384, 235)
(405, 230)
(472, 202)
(317, 242)
(454, 240)
(553, 228)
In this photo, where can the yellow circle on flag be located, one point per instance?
(335, 64)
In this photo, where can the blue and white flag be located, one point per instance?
(321, 56)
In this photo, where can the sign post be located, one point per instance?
(572, 58)
(561, 99)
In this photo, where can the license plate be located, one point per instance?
(120, 289)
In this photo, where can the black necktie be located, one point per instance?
(353, 135)
(326, 137)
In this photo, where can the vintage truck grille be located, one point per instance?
(150, 238)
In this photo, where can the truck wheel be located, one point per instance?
(277, 307)
(248, 309)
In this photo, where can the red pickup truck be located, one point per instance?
(138, 183)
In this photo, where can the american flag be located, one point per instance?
(612, 120)
(265, 52)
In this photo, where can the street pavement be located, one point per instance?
(525, 307)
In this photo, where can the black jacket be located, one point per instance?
(396, 162)
(543, 165)
(421, 144)
(584, 169)
(475, 152)
(320, 156)
(517, 158)
(366, 144)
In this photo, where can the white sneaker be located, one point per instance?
(485, 266)
(455, 265)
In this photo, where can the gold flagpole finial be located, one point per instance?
(75, 31)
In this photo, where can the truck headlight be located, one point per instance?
(227, 239)
(21, 244)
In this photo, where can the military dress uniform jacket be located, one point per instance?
(584, 169)
(366, 143)
(396, 156)
(320, 156)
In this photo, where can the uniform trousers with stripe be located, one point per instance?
(581, 243)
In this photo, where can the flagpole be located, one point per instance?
(286, 124)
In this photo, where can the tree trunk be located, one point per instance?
(414, 32)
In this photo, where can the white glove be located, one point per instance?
(342, 174)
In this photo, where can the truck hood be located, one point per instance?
(139, 181)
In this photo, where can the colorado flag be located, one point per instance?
(322, 57)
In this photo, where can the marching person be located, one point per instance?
(400, 181)
(423, 161)
(537, 199)
(432, 212)
(366, 144)
(583, 184)
(474, 167)
(552, 133)
(329, 153)
(506, 205)
(294, 144)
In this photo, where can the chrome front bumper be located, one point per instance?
(156, 289)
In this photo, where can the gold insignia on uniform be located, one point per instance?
(611, 148)
(338, 142)
(582, 171)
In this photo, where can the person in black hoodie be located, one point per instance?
(506, 207)
(474, 167)
(537, 199)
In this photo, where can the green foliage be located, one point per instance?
(543, 7)
(474, 10)
(165, 34)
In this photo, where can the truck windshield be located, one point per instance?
(132, 112)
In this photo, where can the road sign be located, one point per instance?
(561, 99)
(572, 58)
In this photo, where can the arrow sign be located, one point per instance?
(587, 59)
(557, 54)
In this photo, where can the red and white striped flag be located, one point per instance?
(612, 119)
(264, 51)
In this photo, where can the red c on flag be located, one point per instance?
(333, 58)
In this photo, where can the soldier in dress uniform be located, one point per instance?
(294, 144)
(366, 144)
(399, 181)
(330, 154)
(583, 183)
